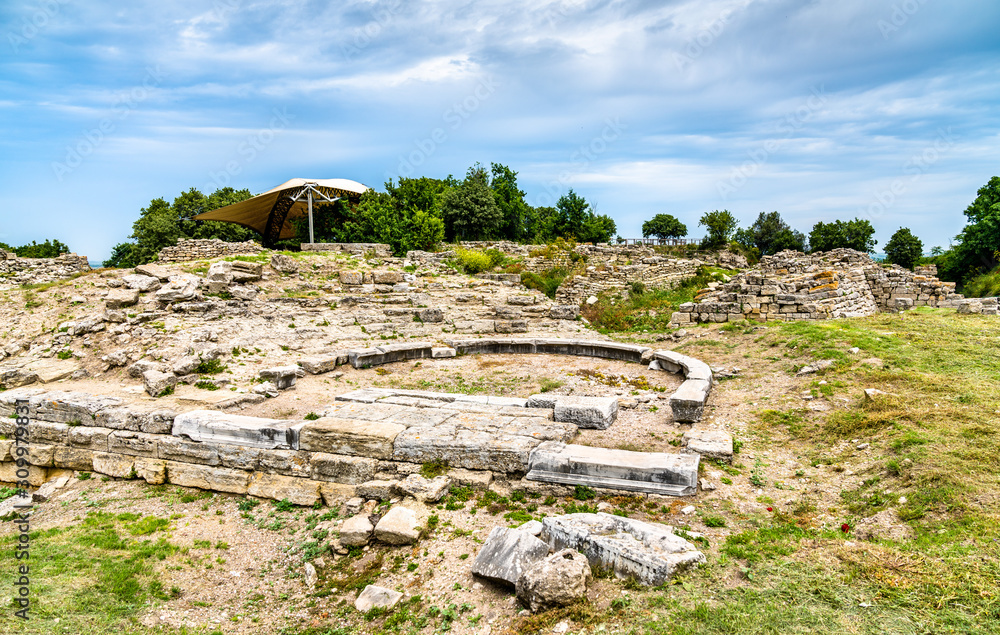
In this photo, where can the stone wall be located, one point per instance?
(188, 249)
(794, 286)
(379, 250)
(18, 271)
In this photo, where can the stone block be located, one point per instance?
(73, 459)
(506, 554)
(153, 471)
(651, 472)
(349, 436)
(564, 312)
(650, 554)
(559, 580)
(121, 298)
(177, 449)
(586, 412)
(377, 490)
(387, 277)
(48, 432)
(157, 383)
(398, 527)
(40, 455)
(218, 479)
(476, 449)
(36, 474)
(350, 470)
(132, 443)
(286, 462)
(299, 491)
(423, 489)
(212, 426)
(376, 597)
(114, 465)
(352, 277)
(442, 353)
(282, 376)
(431, 316)
(712, 444)
(356, 531)
(323, 363)
(159, 272)
(688, 402)
(141, 283)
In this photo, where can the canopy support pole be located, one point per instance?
(308, 190)
(311, 241)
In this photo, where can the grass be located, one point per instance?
(983, 286)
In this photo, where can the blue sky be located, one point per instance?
(822, 109)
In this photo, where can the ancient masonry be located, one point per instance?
(188, 249)
(840, 283)
(18, 271)
(367, 440)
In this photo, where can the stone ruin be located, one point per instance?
(188, 249)
(791, 285)
(15, 271)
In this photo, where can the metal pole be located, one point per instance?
(310, 217)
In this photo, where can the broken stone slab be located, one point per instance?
(651, 472)
(423, 489)
(352, 277)
(676, 362)
(688, 402)
(376, 597)
(141, 283)
(354, 437)
(377, 490)
(475, 449)
(159, 272)
(586, 412)
(212, 426)
(442, 353)
(283, 263)
(711, 444)
(356, 531)
(323, 363)
(815, 367)
(121, 298)
(398, 527)
(180, 289)
(298, 491)
(650, 554)
(506, 554)
(283, 377)
(564, 312)
(157, 383)
(558, 580)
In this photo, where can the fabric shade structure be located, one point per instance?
(271, 213)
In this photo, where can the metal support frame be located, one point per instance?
(308, 190)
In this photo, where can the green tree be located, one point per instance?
(855, 234)
(161, 224)
(470, 210)
(720, 227)
(770, 234)
(572, 211)
(664, 226)
(48, 249)
(904, 249)
(510, 201)
(378, 218)
(597, 228)
(976, 248)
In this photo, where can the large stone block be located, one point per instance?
(159, 272)
(507, 553)
(206, 477)
(398, 527)
(176, 449)
(299, 491)
(350, 470)
(323, 363)
(121, 298)
(36, 474)
(350, 436)
(652, 472)
(474, 449)
(649, 554)
(132, 443)
(688, 402)
(114, 465)
(559, 580)
(212, 426)
(712, 444)
(73, 459)
(586, 412)
(153, 471)
(356, 531)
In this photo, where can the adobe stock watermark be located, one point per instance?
(222, 8)
(30, 27)
(250, 148)
(93, 138)
(559, 11)
(382, 16)
(580, 159)
(454, 118)
(915, 167)
(900, 15)
(702, 42)
(22, 509)
(786, 127)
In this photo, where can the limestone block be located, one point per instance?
(476, 449)
(586, 412)
(334, 494)
(506, 554)
(380, 490)
(207, 477)
(559, 580)
(282, 376)
(398, 527)
(688, 402)
(387, 277)
(423, 489)
(336, 435)
(299, 491)
(132, 443)
(36, 474)
(564, 312)
(73, 459)
(153, 471)
(350, 470)
(141, 283)
(157, 383)
(114, 465)
(356, 531)
(159, 272)
(351, 277)
(212, 426)
(121, 298)
(376, 597)
(40, 455)
(176, 449)
(323, 363)
(712, 444)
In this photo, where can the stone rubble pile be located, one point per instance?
(15, 271)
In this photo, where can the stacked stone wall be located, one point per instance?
(188, 249)
(18, 271)
(794, 286)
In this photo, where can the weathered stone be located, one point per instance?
(352, 277)
(212, 426)
(73, 459)
(115, 465)
(299, 491)
(652, 472)
(185, 365)
(179, 289)
(349, 436)
(507, 553)
(356, 531)
(712, 444)
(9, 474)
(650, 554)
(559, 580)
(48, 489)
(159, 272)
(586, 412)
(376, 597)
(423, 489)
(387, 277)
(243, 293)
(377, 490)
(442, 353)
(687, 404)
(334, 494)
(323, 363)
(141, 283)
(153, 471)
(283, 376)
(206, 477)
(398, 527)
(283, 263)
(350, 470)
(476, 449)
(40, 455)
(157, 383)
(564, 312)
(177, 449)
(132, 443)
(139, 368)
(121, 298)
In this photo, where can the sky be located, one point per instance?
(887, 110)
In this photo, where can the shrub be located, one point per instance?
(472, 261)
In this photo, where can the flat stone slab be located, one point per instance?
(212, 426)
(376, 597)
(712, 444)
(652, 472)
(354, 437)
(474, 449)
(398, 527)
(586, 412)
(49, 370)
(507, 553)
(366, 358)
(650, 554)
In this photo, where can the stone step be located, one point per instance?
(651, 472)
